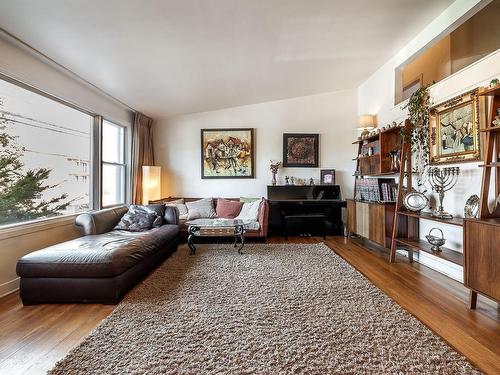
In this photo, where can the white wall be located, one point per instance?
(376, 95)
(17, 61)
(332, 115)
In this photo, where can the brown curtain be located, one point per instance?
(142, 152)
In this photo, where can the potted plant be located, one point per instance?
(418, 114)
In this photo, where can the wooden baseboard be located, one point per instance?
(9, 287)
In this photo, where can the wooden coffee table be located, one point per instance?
(216, 228)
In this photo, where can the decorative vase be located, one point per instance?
(274, 179)
(394, 161)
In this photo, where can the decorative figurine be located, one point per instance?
(494, 83)
(311, 181)
(287, 182)
(292, 180)
(274, 170)
(441, 181)
(395, 154)
(496, 121)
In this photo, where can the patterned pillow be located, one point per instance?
(136, 221)
(157, 209)
(201, 209)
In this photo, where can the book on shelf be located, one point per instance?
(376, 189)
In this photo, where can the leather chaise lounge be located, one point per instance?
(99, 267)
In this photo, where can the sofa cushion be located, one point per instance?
(157, 209)
(251, 224)
(249, 211)
(248, 200)
(136, 221)
(227, 209)
(201, 209)
(181, 206)
(104, 255)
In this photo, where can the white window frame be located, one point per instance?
(125, 164)
(6, 230)
(95, 175)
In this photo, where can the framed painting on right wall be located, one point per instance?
(454, 130)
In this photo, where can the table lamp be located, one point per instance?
(366, 122)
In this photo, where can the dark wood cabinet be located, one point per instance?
(482, 258)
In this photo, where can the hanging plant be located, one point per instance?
(418, 114)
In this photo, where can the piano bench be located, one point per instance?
(319, 218)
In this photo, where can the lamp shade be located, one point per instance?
(366, 121)
(151, 185)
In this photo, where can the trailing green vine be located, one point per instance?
(418, 114)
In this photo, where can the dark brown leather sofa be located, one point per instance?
(99, 267)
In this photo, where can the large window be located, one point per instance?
(113, 164)
(45, 149)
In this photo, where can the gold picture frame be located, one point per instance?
(454, 130)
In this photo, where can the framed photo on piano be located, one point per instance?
(327, 177)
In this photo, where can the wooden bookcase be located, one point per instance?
(379, 163)
(374, 220)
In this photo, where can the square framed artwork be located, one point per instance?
(327, 177)
(227, 153)
(454, 130)
(300, 150)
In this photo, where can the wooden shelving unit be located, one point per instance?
(410, 237)
(421, 245)
(428, 216)
(370, 219)
(380, 162)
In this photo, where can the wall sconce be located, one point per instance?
(151, 183)
(366, 122)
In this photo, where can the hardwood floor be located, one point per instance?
(33, 338)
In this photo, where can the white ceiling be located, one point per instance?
(171, 57)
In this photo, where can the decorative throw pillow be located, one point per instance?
(179, 203)
(249, 211)
(227, 209)
(201, 209)
(157, 209)
(136, 221)
(248, 200)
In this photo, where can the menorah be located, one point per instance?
(441, 181)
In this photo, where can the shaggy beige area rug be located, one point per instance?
(277, 309)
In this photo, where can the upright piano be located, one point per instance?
(305, 209)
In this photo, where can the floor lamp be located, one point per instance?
(151, 183)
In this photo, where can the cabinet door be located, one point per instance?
(377, 223)
(351, 216)
(362, 219)
(482, 258)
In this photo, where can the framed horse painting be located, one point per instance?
(227, 153)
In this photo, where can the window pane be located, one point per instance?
(112, 143)
(113, 184)
(44, 156)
